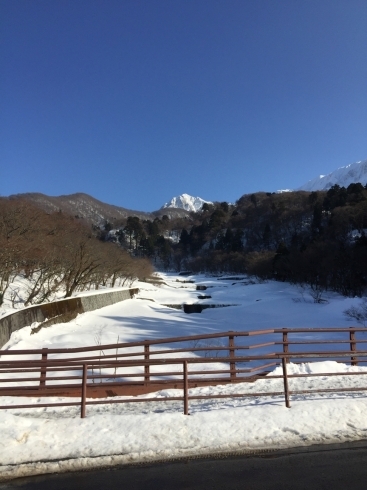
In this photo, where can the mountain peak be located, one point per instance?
(186, 202)
(343, 176)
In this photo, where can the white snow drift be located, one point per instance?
(42, 440)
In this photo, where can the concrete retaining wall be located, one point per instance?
(48, 311)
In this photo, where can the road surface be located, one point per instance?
(329, 467)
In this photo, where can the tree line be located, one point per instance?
(58, 253)
(314, 238)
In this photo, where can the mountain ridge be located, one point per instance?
(84, 206)
(90, 209)
(343, 176)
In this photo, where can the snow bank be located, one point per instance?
(55, 439)
(39, 440)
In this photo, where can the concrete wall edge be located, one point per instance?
(47, 311)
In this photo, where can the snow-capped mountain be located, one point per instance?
(343, 176)
(186, 202)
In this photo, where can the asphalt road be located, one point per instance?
(335, 467)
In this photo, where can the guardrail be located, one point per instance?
(181, 362)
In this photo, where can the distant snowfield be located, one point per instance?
(42, 440)
(343, 176)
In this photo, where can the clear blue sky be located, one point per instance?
(136, 101)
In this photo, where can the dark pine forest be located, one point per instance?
(316, 239)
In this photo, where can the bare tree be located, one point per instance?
(358, 313)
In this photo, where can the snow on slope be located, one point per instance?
(187, 202)
(47, 440)
(343, 176)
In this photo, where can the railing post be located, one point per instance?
(232, 364)
(43, 368)
(84, 391)
(186, 388)
(285, 379)
(352, 338)
(285, 343)
(146, 366)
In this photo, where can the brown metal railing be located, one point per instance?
(181, 362)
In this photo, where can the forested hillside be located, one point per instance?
(315, 238)
(57, 253)
(312, 238)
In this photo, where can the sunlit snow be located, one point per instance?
(55, 439)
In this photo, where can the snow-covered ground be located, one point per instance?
(54, 439)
